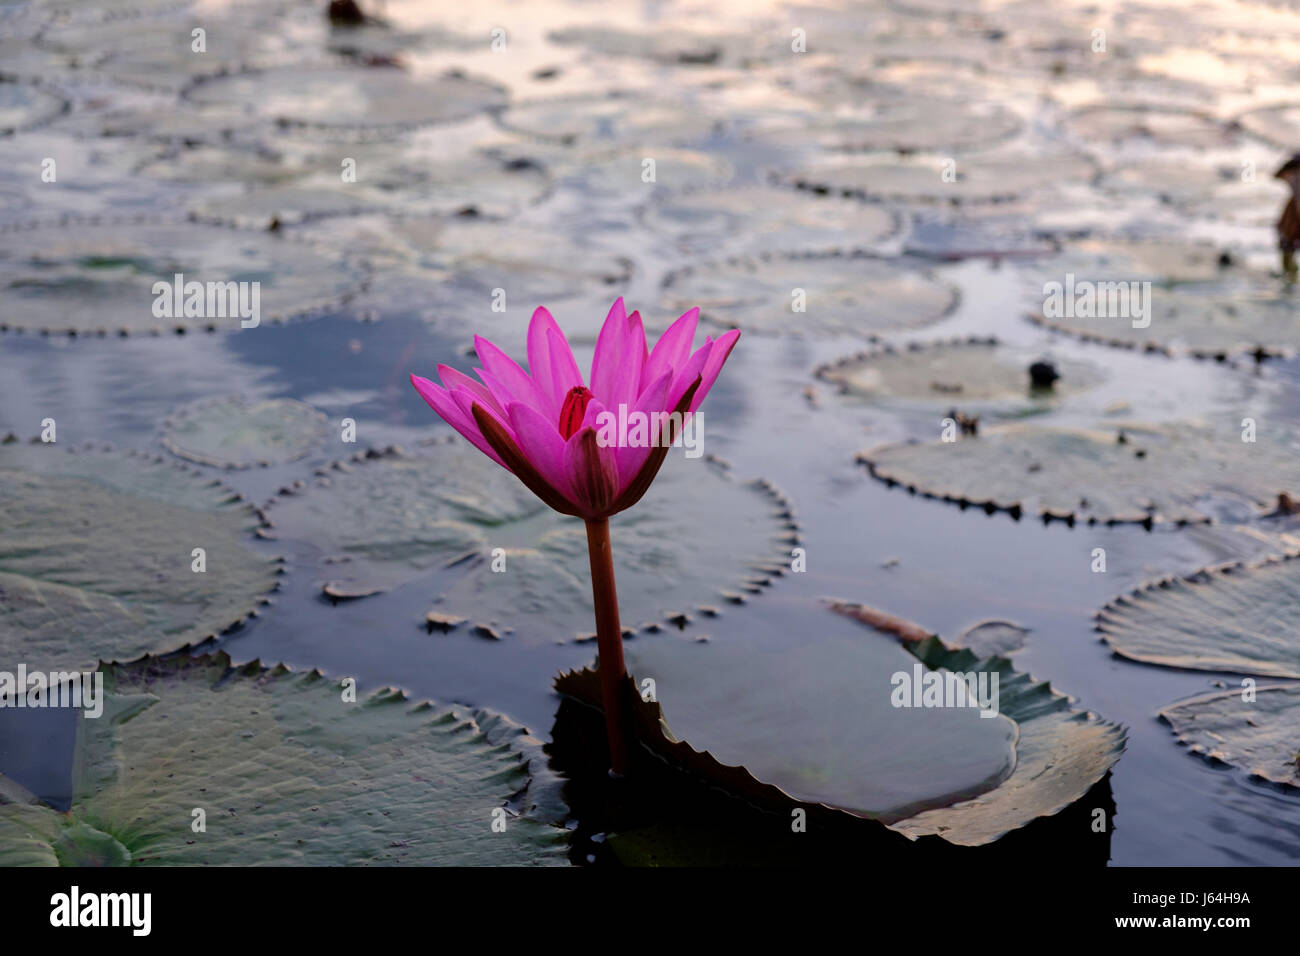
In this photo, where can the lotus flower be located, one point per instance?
(543, 425)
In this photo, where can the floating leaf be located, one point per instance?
(1214, 324)
(972, 373)
(69, 597)
(1229, 618)
(621, 175)
(615, 120)
(974, 179)
(23, 106)
(381, 522)
(768, 219)
(100, 277)
(233, 433)
(663, 46)
(843, 295)
(1135, 474)
(1257, 736)
(842, 746)
(359, 97)
(1101, 125)
(1060, 752)
(1277, 125)
(287, 773)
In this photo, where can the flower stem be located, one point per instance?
(609, 640)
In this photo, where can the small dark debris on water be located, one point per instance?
(1043, 374)
(1121, 438)
(434, 621)
(969, 424)
(347, 13)
(546, 73)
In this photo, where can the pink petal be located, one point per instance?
(673, 347)
(721, 349)
(593, 473)
(542, 444)
(453, 379)
(465, 403)
(539, 357)
(688, 373)
(630, 458)
(620, 356)
(512, 383)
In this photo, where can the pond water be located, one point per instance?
(775, 171)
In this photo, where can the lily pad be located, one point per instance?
(287, 773)
(23, 106)
(1230, 319)
(1103, 125)
(381, 522)
(621, 174)
(1277, 125)
(616, 120)
(100, 276)
(358, 98)
(1135, 474)
(994, 177)
(767, 219)
(845, 295)
(69, 598)
(971, 373)
(1160, 261)
(1230, 618)
(825, 750)
(234, 433)
(1257, 736)
(675, 47)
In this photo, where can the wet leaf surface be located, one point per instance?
(378, 523)
(1154, 474)
(234, 433)
(842, 295)
(69, 597)
(100, 277)
(1256, 736)
(1230, 618)
(287, 773)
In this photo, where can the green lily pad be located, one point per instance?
(768, 219)
(620, 174)
(99, 277)
(1159, 261)
(1217, 192)
(1258, 736)
(1135, 474)
(973, 373)
(287, 773)
(23, 106)
(69, 598)
(360, 97)
(995, 177)
(843, 746)
(609, 121)
(1227, 320)
(843, 295)
(234, 433)
(1230, 618)
(1104, 124)
(872, 118)
(381, 522)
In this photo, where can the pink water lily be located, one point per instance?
(543, 424)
